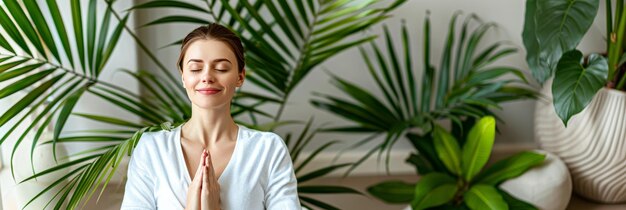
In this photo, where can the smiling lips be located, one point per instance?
(208, 91)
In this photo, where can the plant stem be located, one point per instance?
(609, 22)
(72, 71)
(619, 9)
(615, 48)
(210, 7)
(303, 50)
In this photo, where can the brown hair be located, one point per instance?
(217, 32)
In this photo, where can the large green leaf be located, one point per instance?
(477, 148)
(484, 197)
(576, 83)
(425, 146)
(393, 191)
(448, 150)
(515, 203)
(434, 189)
(552, 27)
(510, 168)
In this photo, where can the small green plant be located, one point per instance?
(463, 184)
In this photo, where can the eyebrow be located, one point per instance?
(214, 61)
(194, 60)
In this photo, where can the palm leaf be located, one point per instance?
(94, 44)
(311, 41)
(464, 86)
(296, 149)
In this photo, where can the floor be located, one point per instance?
(349, 202)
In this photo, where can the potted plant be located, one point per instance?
(464, 89)
(591, 88)
(463, 184)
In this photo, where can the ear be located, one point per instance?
(183, 80)
(241, 77)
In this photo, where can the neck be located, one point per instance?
(209, 127)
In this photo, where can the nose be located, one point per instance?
(208, 77)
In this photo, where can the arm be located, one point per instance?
(282, 192)
(140, 184)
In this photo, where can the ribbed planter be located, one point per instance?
(592, 146)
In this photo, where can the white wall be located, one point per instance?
(509, 15)
(124, 56)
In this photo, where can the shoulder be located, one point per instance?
(264, 140)
(154, 141)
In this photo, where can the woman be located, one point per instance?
(210, 162)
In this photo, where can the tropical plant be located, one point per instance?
(464, 88)
(463, 184)
(552, 31)
(38, 56)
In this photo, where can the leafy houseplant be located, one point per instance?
(552, 31)
(464, 184)
(464, 88)
(591, 87)
(37, 54)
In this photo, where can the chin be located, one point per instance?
(211, 105)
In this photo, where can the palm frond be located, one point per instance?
(296, 149)
(465, 86)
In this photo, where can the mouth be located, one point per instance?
(208, 91)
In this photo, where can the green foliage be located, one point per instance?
(447, 189)
(58, 74)
(394, 191)
(465, 86)
(448, 150)
(577, 81)
(551, 48)
(434, 189)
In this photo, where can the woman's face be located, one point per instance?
(210, 74)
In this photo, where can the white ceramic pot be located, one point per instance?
(547, 187)
(593, 145)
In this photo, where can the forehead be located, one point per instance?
(208, 50)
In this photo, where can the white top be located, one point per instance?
(259, 174)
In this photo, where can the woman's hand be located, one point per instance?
(204, 190)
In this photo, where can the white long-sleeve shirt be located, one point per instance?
(259, 174)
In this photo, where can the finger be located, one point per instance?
(206, 174)
(204, 197)
(204, 155)
(199, 171)
(208, 158)
(210, 166)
